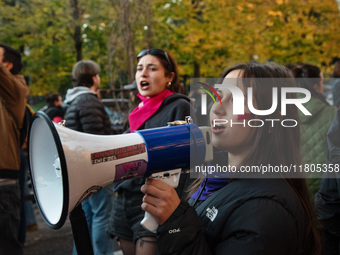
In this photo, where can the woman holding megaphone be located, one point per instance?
(161, 102)
(242, 213)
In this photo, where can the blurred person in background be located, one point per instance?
(327, 200)
(28, 221)
(13, 99)
(314, 128)
(54, 107)
(336, 84)
(85, 113)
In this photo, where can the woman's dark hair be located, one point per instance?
(83, 71)
(277, 145)
(175, 84)
(52, 98)
(306, 77)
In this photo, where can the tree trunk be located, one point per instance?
(77, 28)
(196, 70)
(149, 23)
(128, 38)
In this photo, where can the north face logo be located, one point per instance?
(212, 213)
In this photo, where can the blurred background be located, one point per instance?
(204, 37)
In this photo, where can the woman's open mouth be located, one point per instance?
(217, 128)
(144, 85)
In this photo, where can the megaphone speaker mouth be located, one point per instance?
(48, 170)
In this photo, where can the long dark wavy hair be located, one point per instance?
(277, 145)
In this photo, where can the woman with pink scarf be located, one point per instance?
(161, 102)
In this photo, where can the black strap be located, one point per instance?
(80, 230)
(24, 130)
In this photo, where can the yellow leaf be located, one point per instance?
(309, 37)
(270, 23)
(251, 17)
(271, 13)
(278, 13)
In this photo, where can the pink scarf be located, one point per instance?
(146, 109)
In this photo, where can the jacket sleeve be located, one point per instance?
(14, 92)
(181, 234)
(7, 84)
(12, 87)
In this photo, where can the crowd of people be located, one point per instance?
(234, 214)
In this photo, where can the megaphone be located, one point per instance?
(67, 166)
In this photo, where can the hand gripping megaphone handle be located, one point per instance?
(170, 177)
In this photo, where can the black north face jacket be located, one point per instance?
(247, 216)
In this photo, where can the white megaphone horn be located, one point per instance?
(67, 166)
